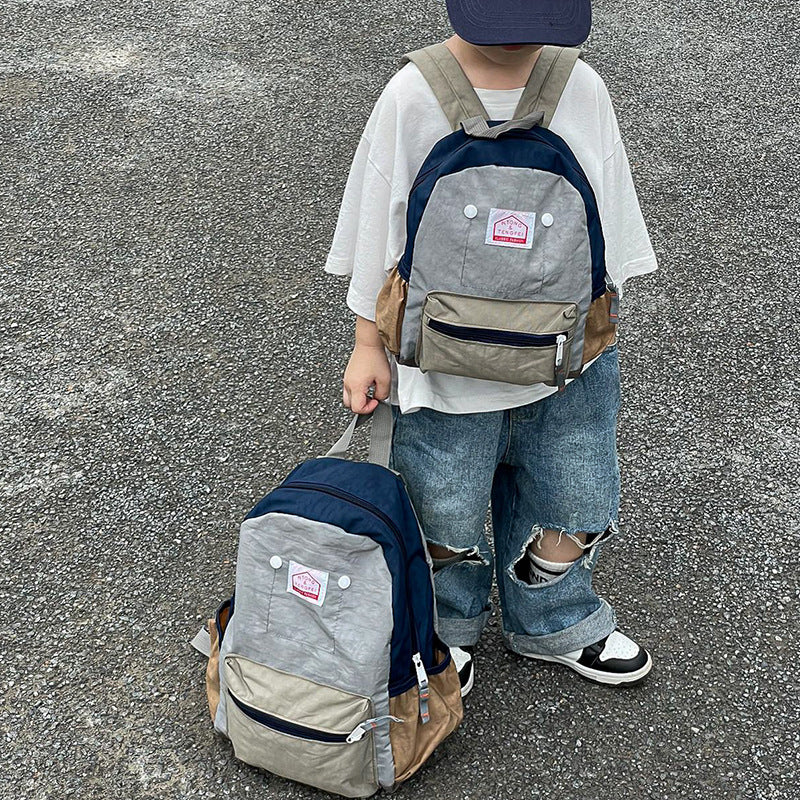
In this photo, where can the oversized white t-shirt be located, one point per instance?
(370, 236)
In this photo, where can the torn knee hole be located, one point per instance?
(444, 557)
(437, 551)
(532, 568)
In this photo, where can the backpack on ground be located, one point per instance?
(325, 667)
(503, 275)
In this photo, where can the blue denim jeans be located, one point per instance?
(548, 465)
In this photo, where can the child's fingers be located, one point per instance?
(346, 397)
(362, 404)
(382, 388)
(370, 406)
(361, 400)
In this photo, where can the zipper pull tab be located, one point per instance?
(561, 377)
(358, 733)
(424, 691)
(613, 306)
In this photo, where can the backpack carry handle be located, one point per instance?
(380, 443)
(478, 127)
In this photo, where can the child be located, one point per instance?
(547, 461)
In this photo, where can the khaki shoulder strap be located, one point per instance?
(458, 98)
(547, 82)
(452, 88)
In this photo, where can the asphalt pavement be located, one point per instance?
(170, 173)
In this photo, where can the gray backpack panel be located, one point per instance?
(449, 226)
(311, 649)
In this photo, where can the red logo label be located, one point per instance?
(510, 229)
(306, 584)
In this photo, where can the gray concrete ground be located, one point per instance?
(170, 177)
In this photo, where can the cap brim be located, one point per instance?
(492, 22)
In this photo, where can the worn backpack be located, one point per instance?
(325, 667)
(503, 275)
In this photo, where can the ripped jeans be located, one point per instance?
(548, 465)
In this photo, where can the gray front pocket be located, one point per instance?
(300, 729)
(514, 341)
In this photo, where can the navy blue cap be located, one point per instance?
(490, 22)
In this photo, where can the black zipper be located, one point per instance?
(289, 728)
(376, 512)
(491, 336)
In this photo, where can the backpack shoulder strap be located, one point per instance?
(547, 82)
(452, 88)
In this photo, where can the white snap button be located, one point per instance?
(276, 562)
(470, 211)
(344, 582)
(547, 220)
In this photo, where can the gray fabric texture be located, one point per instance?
(284, 632)
(202, 642)
(451, 254)
(380, 440)
(340, 447)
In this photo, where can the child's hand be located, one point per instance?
(368, 366)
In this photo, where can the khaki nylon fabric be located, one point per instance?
(439, 352)
(412, 742)
(339, 768)
(600, 331)
(389, 311)
(294, 698)
(547, 82)
(452, 88)
(457, 96)
(212, 668)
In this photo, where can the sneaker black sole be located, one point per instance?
(467, 687)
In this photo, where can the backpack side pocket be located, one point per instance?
(390, 310)
(600, 331)
(216, 630)
(413, 742)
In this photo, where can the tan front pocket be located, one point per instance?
(514, 341)
(297, 729)
(390, 309)
(413, 742)
(600, 331)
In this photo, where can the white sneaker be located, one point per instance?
(614, 660)
(465, 666)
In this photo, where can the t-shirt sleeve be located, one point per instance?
(628, 248)
(370, 228)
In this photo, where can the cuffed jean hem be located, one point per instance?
(462, 632)
(596, 626)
